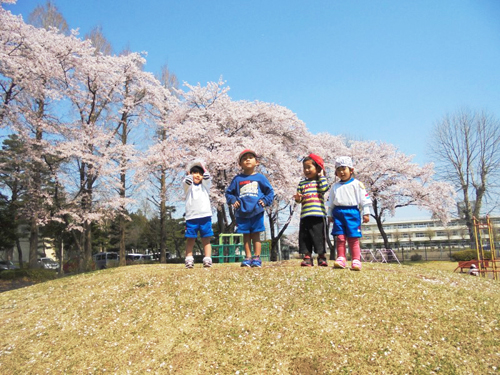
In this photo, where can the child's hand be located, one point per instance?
(330, 219)
(321, 173)
(261, 202)
(366, 218)
(298, 197)
(236, 205)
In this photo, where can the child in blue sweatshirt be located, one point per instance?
(248, 194)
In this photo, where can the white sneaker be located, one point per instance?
(189, 262)
(207, 262)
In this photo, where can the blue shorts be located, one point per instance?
(202, 225)
(252, 224)
(347, 221)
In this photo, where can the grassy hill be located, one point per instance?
(279, 319)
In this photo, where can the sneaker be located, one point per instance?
(189, 262)
(256, 262)
(339, 263)
(307, 262)
(247, 263)
(356, 265)
(207, 262)
(322, 262)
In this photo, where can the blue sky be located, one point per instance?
(372, 70)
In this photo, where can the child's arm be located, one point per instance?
(268, 192)
(207, 180)
(188, 181)
(323, 185)
(331, 205)
(232, 193)
(365, 202)
(298, 195)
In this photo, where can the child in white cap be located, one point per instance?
(347, 198)
(198, 212)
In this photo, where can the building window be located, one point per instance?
(420, 235)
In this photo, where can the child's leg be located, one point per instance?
(341, 246)
(189, 246)
(247, 237)
(257, 246)
(207, 247)
(340, 262)
(354, 247)
(189, 262)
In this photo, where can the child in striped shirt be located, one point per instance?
(310, 193)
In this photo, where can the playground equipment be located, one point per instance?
(485, 265)
(379, 256)
(231, 249)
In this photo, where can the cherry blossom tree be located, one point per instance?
(210, 126)
(394, 181)
(29, 93)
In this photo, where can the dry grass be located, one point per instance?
(279, 319)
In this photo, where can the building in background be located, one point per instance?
(429, 234)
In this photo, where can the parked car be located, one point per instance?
(48, 264)
(7, 265)
(138, 258)
(105, 260)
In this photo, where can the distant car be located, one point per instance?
(105, 260)
(138, 258)
(48, 264)
(7, 265)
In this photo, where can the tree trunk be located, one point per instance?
(163, 217)
(19, 253)
(37, 185)
(123, 184)
(122, 240)
(273, 221)
(33, 257)
(88, 246)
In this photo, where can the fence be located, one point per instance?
(426, 254)
(231, 253)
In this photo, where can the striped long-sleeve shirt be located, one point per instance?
(313, 192)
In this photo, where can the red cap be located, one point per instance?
(318, 160)
(247, 151)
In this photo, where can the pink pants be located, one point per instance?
(353, 245)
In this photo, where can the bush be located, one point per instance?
(470, 254)
(33, 274)
(416, 257)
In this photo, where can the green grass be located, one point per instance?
(279, 319)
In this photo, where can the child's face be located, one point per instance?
(197, 177)
(344, 173)
(310, 170)
(248, 163)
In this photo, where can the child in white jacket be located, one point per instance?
(198, 212)
(347, 198)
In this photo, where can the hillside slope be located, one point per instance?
(281, 318)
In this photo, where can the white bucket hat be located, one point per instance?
(344, 161)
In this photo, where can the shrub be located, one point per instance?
(464, 255)
(34, 274)
(416, 257)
